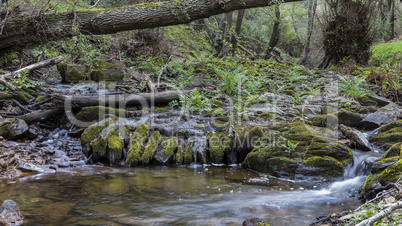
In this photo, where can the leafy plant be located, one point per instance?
(290, 147)
(22, 82)
(194, 101)
(352, 87)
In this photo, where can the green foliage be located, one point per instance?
(22, 82)
(290, 147)
(389, 54)
(195, 102)
(369, 210)
(352, 87)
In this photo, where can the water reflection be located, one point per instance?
(167, 195)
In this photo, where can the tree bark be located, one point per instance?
(19, 31)
(41, 116)
(121, 101)
(312, 6)
(275, 33)
(236, 35)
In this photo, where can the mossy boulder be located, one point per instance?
(369, 183)
(115, 144)
(391, 173)
(97, 113)
(219, 145)
(166, 154)
(73, 72)
(92, 133)
(329, 147)
(105, 71)
(348, 118)
(326, 166)
(366, 101)
(136, 143)
(329, 121)
(388, 135)
(245, 139)
(179, 154)
(13, 129)
(382, 164)
(394, 151)
(22, 97)
(359, 140)
(189, 154)
(153, 142)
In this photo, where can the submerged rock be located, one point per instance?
(10, 213)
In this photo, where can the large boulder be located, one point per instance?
(73, 72)
(219, 146)
(105, 71)
(359, 140)
(348, 118)
(388, 134)
(382, 116)
(13, 129)
(92, 133)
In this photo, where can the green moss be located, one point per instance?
(99, 112)
(5, 127)
(160, 110)
(22, 97)
(219, 145)
(371, 179)
(92, 133)
(39, 99)
(189, 154)
(217, 103)
(115, 145)
(179, 154)
(296, 119)
(170, 147)
(390, 126)
(75, 75)
(323, 120)
(135, 149)
(97, 75)
(142, 129)
(98, 63)
(262, 223)
(333, 149)
(330, 166)
(279, 166)
(6, 96)
(153, 142)
(366, 101)
(388, 138)
(394, 150)
(266, 116)
(391, 173)
(99, 147)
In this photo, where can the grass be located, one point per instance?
(389, 54)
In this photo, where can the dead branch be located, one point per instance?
(381, 214)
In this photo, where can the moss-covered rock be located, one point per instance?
(391, 173)
(245, 139)
(386, 138)
(136, 143)
(370, 180)
(189, 154)
(166, 154)
(331, 148)
(382, 116)
(73, 72)
(105, 71)
(366, 101)
(92, 133)
(266, 116)
(95, 113)
(328, 121)
(154, 140)
(115, 148)
(179, 154)
(394, 151)
(22, 97)
(219, 145)
(382, 164)
(13, 129)
(348, 118)
(6, 95)
(326, 166)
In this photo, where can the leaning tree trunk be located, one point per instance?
(18, 32)
(275, 33)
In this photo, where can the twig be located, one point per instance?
(24, 109)
(381, 214)
(162, 69)
(96, 3)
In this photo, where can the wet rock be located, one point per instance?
(359, 139)
(245, 139)
(219, 146)
(73, 72)
(33, 131)
(29, 168)
(381, 165)
(97, 113)
(10, 213)
(3, 164)
(252, 221)
(90, 134)
(380, 101)
(393, 151)
(349, 118)
(329, 121)
(325, 168)
(326, 147)
(267, 107)
(13, 129)
(382, 116)
(366, 101)
(189, 153)
(391, 174)
(307, 111)
(166, 154)
(388, 134)
(154, 140)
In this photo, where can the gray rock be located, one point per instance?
(267, 107)
(381, 101)
(360, 141)
(349, 118)
(380, 166)
(382, 116)
(10, 213)
(13, 129)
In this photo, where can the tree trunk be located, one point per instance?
(275, 33)
(392, 21)
(236, 35)
(18, 32)
(312, 6)
(227, 30)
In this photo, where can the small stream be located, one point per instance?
(194, 195)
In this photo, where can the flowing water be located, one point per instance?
(196, 195)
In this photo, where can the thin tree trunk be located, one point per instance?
(312, 6)
(226, 34)
(275, 33)
(19, 31)
(392, 21)
(236, 35)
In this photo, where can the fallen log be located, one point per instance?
(120, 100)
(144, 78)
(41, 116)
(31, 67)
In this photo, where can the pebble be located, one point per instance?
(3, 164)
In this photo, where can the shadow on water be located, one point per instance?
(202, 195)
